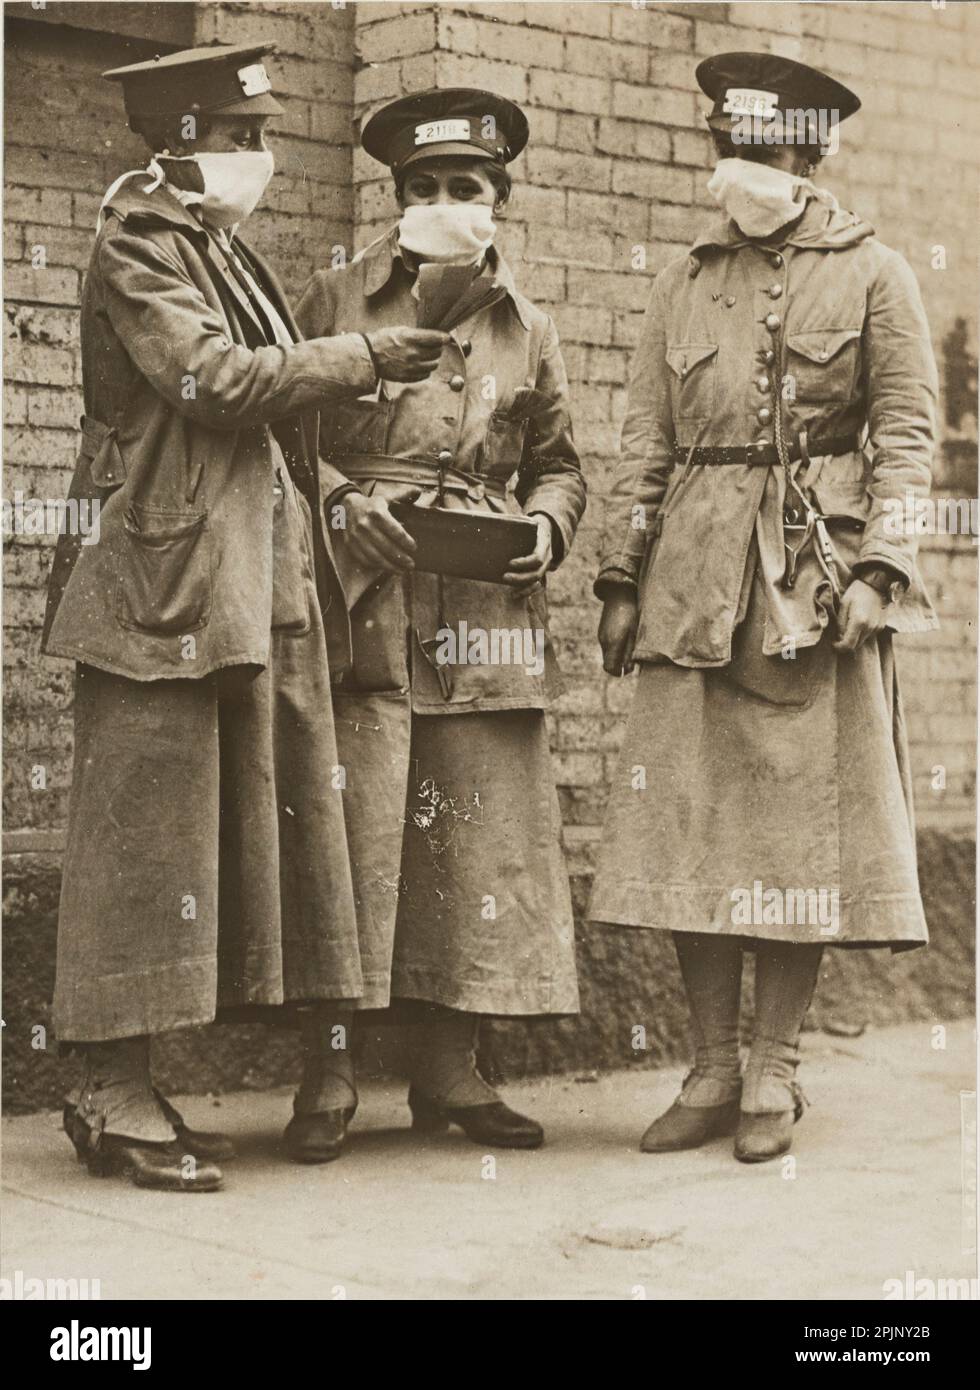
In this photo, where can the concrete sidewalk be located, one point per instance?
(876, 1190)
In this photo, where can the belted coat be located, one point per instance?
(770, 762)
(824, 333)
(453, 823)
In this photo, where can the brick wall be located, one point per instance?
(618, 157)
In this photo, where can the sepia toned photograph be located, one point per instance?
(490, 538)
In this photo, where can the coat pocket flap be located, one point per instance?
(107, 467)
(840, 488)
(154, 526)
(681, 357)
(821, 344)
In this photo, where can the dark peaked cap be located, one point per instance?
(762, 84)
(452, 120)
(226, 79)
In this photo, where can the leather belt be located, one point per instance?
(761, 455)
(418, 472)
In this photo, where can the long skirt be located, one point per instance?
(768, 799)
(455, 844)
(206, 869)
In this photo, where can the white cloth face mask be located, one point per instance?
(451, 233)
(759, 198)
(234, 181)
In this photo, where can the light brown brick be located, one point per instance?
(567, 92)
(660, 181)
(569, 170)
(398, 38)
(655, 104)
(652, 25)
(633, 140)
(572, 18)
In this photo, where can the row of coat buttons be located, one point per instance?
(773, 323)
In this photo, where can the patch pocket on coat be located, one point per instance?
(165, 570)
(291, 568)
(822, 364)
(503, 445)
(693, 371)
(355, 427)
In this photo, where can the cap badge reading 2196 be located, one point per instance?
(750, 101)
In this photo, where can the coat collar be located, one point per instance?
(381, 258)
(822, 227)
(131, 202)
(159, 208)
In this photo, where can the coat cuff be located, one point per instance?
(895, 575)
(560, 538)
(610, 579)
(884, 555)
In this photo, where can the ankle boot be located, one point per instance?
(326, 1100)
(447, 1088)
(118, 1127)
(772, 1101)
(708, 1105)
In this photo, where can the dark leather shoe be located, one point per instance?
(762, 1137)
(318, 1138)
(689, 1126)
(495, 1124)
(204, 1144)
(164, 1167)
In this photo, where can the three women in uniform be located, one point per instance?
(286, 792)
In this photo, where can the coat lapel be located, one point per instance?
(218, 263)
(272, 286)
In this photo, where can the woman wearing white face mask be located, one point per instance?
(751, 571)
(452, 815)
(206, 873)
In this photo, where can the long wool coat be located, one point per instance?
(206, 868)
(758, 760)
(453, 821)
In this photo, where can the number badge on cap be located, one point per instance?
(254, 80)
(436, 131)
(750, 101)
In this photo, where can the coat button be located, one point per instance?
(445, 457)
(769, 357)
(772, 322)
(823, 354)
(775, 291)
(729, 301)
(762, 383)
(777, 259)
(765, 415)
(466, 347)
(457, 382)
